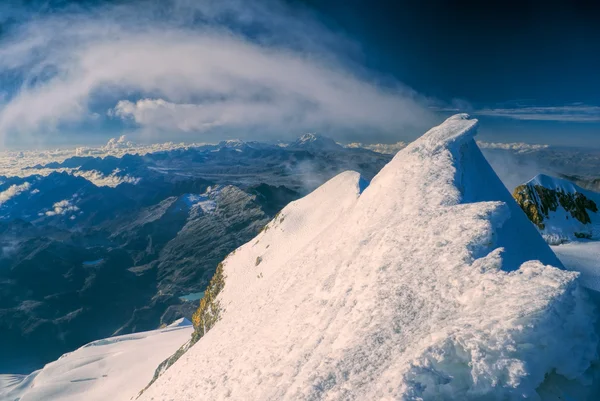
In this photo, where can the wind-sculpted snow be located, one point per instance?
(397, 291)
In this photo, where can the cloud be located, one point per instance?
(27, 163)
(385, 148)
(392, 148)
(111, 180)
(571, 113)
(518, 147)
(62, 208)
(13, 191)
(163, 70)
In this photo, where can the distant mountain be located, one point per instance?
(589, 183)
(316, 142)
(561, 210)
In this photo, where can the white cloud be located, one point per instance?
(101, 180)
(570, 113)
(192, 78)
(22, 163)
(385, 148)
(519, 147)
(392, 148)
(13, 191)
(62, 208)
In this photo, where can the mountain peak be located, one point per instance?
(232, 143)
(555, 183)
(315, 142)
(561, 210)
(404, 289)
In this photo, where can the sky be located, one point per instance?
(79, 72)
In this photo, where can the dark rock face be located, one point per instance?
(134, 257)
(537, 201)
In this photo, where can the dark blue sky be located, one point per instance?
(527, 69)
(486, 52)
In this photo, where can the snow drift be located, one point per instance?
(429, 283)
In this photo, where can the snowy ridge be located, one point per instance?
(400, 291)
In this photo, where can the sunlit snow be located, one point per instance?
(114, 369)
(423, 286)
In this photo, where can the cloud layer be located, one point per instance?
(571, 113)
(178, 65)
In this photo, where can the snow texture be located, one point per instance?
(112, 369)
(419, 287)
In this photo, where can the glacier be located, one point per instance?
(428, 283)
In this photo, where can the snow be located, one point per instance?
(422, 285)
(113, 369)
(205, 202)
(315, 142)
(182, 322)
(584, 257)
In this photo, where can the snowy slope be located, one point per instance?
(584, 257)
(561, 210)
(396, 291)
(113, 369)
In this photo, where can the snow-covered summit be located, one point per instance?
(315, 142)
(232, 143)
(561, 210)
(423, 285)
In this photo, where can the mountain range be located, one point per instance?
(97, 246)
(419, 280)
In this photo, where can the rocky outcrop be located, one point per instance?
(558, 207)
